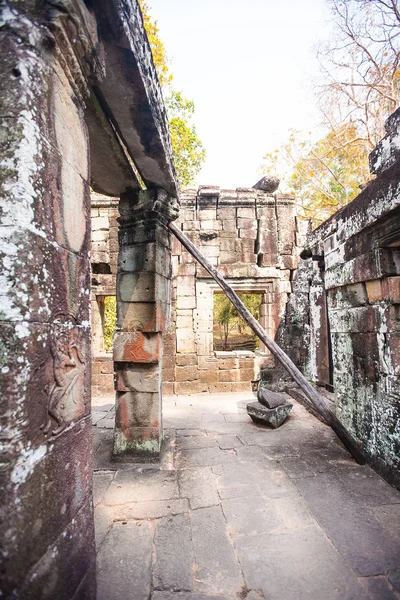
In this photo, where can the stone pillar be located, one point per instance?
(143, 303)
(45, 348)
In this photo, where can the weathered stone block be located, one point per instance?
(229, 226)
(241, 386)
(210, 225)
(207, 214)
(184, 360)
(142, 316)
(141, 442)
(184, 322)
(168, 388)
(374, 290)
(210, 377)
(227, 245)
(190, 387)
(137, 347)
(168, 374)
(185, 341)
(186, 269)
(138, 378)
(220, 388)
(143, 287)
(270, 416)
(394, 289)
(228, 363)
(246, 212)
(229, 375)
(185, 285)
(100, 223)
(248, 233)
(151, 257)
(210, 252)
(226, 213)
(186, 302)
(187, 373)
(244, 223)
(229, 258)
(207, 362)
(246, 374)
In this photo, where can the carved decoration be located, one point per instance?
(65, 386)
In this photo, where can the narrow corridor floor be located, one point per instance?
(239, 511)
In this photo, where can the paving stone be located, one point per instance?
(190, 432)
(198, 441)
(296, 467)
(394, 579)
(187, 596)
(151, 509)
(205, 457)
(129, 571)
(291, 511)
(239, 492)
(227, 442)
(97, 416)
(253, 595)
(389, 517)
(106, 423)
(351, 525)
(250, 454)
(297, 565)
(276, 484)
(379, 588)
(237, 475)
(103, 520)
(101, 481)
(217, 571)
(174, 562)
(134, 486)
(236, 418)
(248, 516)
(199, 486)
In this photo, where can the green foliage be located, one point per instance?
(157, 46)
(109, 323)
(188, 150)
(324, 175)
(228, 318)
(189, 153)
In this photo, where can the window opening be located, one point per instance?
(230, 331)
(109, 321)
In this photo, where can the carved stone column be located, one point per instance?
(143, 305)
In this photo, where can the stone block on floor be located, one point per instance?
(270, 416)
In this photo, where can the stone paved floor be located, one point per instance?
(238, 511)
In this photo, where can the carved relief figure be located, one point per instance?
(67, 387)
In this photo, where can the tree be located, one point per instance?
(188, 150)
(228, 318)
(324, 175)
(189, 153)
(359, 90)
(360, 67)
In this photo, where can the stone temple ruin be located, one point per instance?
(82, 108)
(252, 237)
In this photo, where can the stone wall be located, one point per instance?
(45, 317)
(253, 239)
(104, 259)
(73, 73)
(349, 300)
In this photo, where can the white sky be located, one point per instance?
(247, 67)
